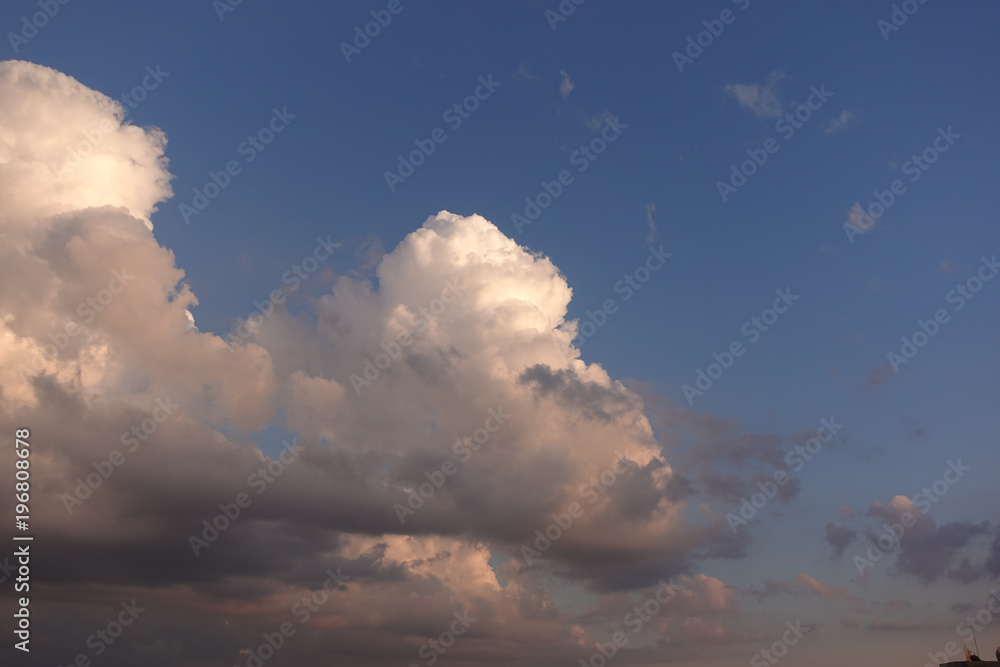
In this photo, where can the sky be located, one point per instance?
(529, 333)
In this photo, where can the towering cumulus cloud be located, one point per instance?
(454, 448)
(98, 304)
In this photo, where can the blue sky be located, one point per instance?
(656, 184)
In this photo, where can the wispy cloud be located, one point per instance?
(914, 428)
(897, 604)
(759, 99)
(879, 375)
(839, 122)
(824, 590)
(878, 285)
(858, 219)
(566, 86)
(896, 626)
(524, 74)
(803, 584)
(947, 267)
(595, 123)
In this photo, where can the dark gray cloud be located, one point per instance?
(961, 550)
(838, 537)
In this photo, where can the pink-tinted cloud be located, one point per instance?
(503, 344)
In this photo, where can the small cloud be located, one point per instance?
(824, 590)
(839, 537)
(803, 584)
(963, 607)
(760, 100)
(651, 234)
(849, 622)
(880, 375)
(566, 86)
(897, 605)
(914, 427)
(594, 123)
(524, 74)
(839, 122)
(895, 626)
(844, 512)
(877, 285)
(860, 220)
(947, 267)
(929, 551)
(371, 252)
